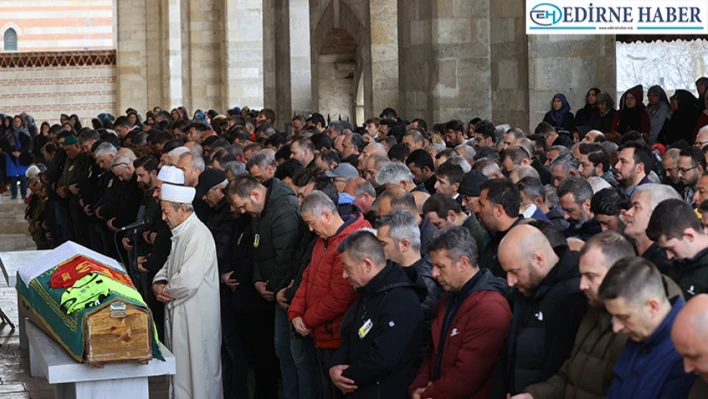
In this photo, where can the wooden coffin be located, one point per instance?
(116, 333)
(118, 329)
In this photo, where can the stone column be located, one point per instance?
(570, 65)
(153, 57)
(242, 71)
(205, 55)
(445, 59)
(381, 68)
(509, 63)
(276, 57)
(131, 55)
(300, 69)
(171, 60)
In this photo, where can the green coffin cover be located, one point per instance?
(67, 329)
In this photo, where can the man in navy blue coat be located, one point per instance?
(649, 366)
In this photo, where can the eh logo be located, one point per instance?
(546, 14)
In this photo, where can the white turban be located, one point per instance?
(178, 194)
(171, 174)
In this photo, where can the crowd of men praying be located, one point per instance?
(397, 259)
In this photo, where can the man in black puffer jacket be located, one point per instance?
(399, 231)
(383, 331)
(277, 229)
(547, 307)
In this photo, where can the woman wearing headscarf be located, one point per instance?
(582, 117)
(658, 109)
(75, 122)
(702, 119)
(682, 121)
(5, 133)
(30, 124)
(135, 119)
(701, 87)
(560, 116)
(183, 111)
(176, 114)
(18, 149)
(39, 141)
(632, 114)
(603, 116)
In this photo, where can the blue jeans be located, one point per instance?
(305, 359)
(288, 371)
(23, 185)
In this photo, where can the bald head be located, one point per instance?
(689, 334)
(526, 256)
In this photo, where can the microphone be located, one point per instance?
(135, 225)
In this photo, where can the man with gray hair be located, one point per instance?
(324, 296)
(556, 151)
(383, 332)
(193, 165)
(369, 150)
(399, 233)
(575, 196)
(636, 219)
(396, 174)
(467, 152)
(234, 169)
(563, 167)
(262, 167)
(670, 164)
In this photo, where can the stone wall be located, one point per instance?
(445, 59)
(510, 66)
(570, 65)
(47, 92)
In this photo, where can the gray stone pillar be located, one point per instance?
(276, 58)
(510, 65)
(171, 61)
(445, 59)
(205, 56)
(381, 74)
(300, 69)
(242, 45)
(131, 55)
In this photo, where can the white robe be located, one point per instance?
(192, 319)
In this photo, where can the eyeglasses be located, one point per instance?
(686, 170)
(700, 144)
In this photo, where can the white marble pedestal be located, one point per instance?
(80, 381)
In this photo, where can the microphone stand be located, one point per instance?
(130, 268)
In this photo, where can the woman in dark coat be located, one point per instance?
(39, 141)
(602, 118)
(5, 130)
(582, 117)
(75, 122)
(18, 150)
(560, 116)
(682, 121)
(658, 109)
(632, 114)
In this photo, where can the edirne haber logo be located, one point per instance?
(626, 17)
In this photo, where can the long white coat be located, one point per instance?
(192, 319)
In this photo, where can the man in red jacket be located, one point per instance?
(471, 326)
(324, 294)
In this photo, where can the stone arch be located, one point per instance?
(337, 42)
